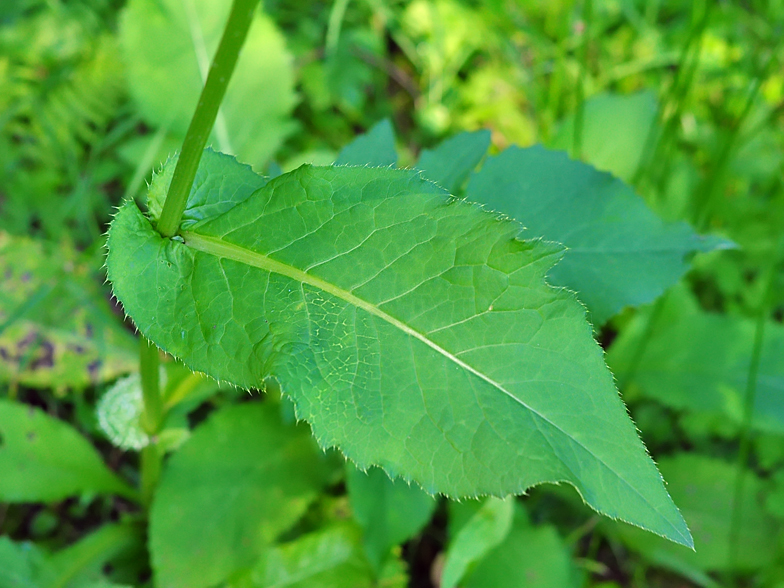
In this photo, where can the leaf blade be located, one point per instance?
(408, 328)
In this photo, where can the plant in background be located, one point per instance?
(437, 322)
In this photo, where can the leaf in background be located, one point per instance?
(449, 164)
(80, 565)
(119, 413)
(619, 252)
(704, 488)
(389, 511)
(240, 480)
(328, 558)
(376, 148)
(411, 330)
(481, 533)
(699, 361)
(56, 328)
(165, 78)
(615, 131)
(534, 557)
(44, 459)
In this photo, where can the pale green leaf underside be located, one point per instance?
(411, 330)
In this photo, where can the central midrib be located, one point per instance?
(220, 248)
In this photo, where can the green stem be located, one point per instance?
(149, 363)
(152, 417)
(744, 449)
(203, 119)
(577, 144)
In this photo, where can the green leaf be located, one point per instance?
(240, 480)
(615, 131)
(56, 328)
(376, 148)
(704, 488)
(699, 361)
(165, 78)
(24, 565)
(413, 331)
(534, 557)
(43, 459)
(389, 511)
(483, 531)
(329, 558)
(619, 252)
(449, 164)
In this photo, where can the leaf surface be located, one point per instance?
(328, 558)
(699, 361)
(704, 488)
(389, 511)
(481, 533)
(44, 459)
(239, 481)
(615, 131)
(56, 328)
(375, 148)
(534, 557)
(619, 252)
(450, 163)
(411, 330)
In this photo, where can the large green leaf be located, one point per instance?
(44, 459)
(233, 487)
(704, 488)
(690, 359)
(620, 253)
(389, 511)
(56, 328)
(411, 330)
(166, 77)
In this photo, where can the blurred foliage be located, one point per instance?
(682, 100)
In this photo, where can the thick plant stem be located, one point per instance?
(150, 472)
(206, 111)
(577, 138)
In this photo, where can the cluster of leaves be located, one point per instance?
(247, 497)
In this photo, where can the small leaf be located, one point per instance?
(614, 132)
(56, 328)
(534, 557)
(329, 558)
(389, 511)
(376, 148)
(619, 252)
(485, 530)
(699, 361)
(449, 164)
(413, 331)
(239, 481)
(165, 78)
(119, 413)
(44, 459)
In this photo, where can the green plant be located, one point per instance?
(413, 329)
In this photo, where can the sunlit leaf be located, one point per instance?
(411, 330)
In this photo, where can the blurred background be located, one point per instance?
(682, 100)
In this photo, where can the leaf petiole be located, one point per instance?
(203, 119)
